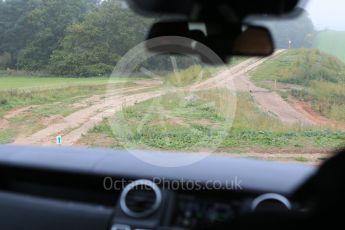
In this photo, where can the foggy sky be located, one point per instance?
(327, 14)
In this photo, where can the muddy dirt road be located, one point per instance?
(78, 123)
(237, 78)
(270, 102)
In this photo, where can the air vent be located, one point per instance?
(140, 199)
(271, 201)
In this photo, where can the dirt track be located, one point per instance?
(78, 123)
(270, 102)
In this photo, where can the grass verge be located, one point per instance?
(314, 77)
(199, 126)
(46, 104)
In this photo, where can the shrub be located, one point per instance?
(3, 101)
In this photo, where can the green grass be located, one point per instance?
(49, 98)
(331, 42)
(170, 122)
(40, 91)
(301, 67)
(62, 109)
(179, 121)
(31, 82)
(173, 122)
(196, 73)
(301, 159)
(44, 103)
(20, 98)
(320, 76)
(197, 126)
(189, 76)
(7, 136)
(325, 97)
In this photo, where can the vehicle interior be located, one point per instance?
(64, 187)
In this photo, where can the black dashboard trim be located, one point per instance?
(256, 176)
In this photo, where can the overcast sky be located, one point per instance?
(327, 13)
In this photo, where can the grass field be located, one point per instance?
(331, 42)
(196, 73)
(189, 76)
(29, 82)
(45, 99)
(301, 67)
(41, 104)
(18, 89)
(199, 126)
(176, 121)
(314, 77)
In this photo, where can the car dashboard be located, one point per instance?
(70, 188)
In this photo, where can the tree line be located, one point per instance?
(87, 37)
(67, 37)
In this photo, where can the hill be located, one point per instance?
(312, 76)
(302, 66)
(332, 42)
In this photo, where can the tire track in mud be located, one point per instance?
(236, 77)
(79, 122)
(269, 102)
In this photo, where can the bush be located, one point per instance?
(72, 65)
(3, 101)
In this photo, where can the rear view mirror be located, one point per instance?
(225, 40)
(254, 41)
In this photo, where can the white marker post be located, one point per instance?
(59, 140)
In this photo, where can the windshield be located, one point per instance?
(76, 73)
